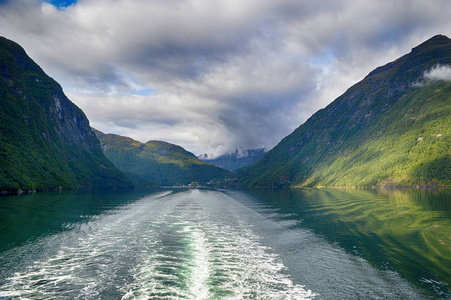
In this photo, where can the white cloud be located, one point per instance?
(221, 74)
(440, 72)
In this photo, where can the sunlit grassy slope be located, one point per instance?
(157, 163)
(392, 128)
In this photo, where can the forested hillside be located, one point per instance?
(157, 163)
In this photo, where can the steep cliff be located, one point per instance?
(45, 140)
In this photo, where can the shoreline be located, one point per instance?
(399, 187)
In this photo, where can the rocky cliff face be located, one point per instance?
(392, 128)
(46, 140)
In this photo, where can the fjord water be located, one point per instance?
(228, 244)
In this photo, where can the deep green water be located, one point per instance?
(227, 244)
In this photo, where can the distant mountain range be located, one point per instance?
(45, 140)
(157, 163)
(235, 160)
(393, 128)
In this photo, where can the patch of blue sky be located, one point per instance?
(130, 83)
(61, 3)
(145, 92)
(324, 59)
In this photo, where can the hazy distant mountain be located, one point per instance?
(235, 160)
(157, 163)
(45, 140)
(391, 128)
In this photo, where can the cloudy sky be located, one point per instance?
(213, 75)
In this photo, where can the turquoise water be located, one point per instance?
(226, 244)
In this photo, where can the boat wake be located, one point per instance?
(186, 245)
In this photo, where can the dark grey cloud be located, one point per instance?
(213, 75)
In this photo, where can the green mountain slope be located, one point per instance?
(45, 140)
(157, 163)
(391, 128)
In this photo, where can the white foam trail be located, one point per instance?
(183, 246)
(223, 260)
(201, 265)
